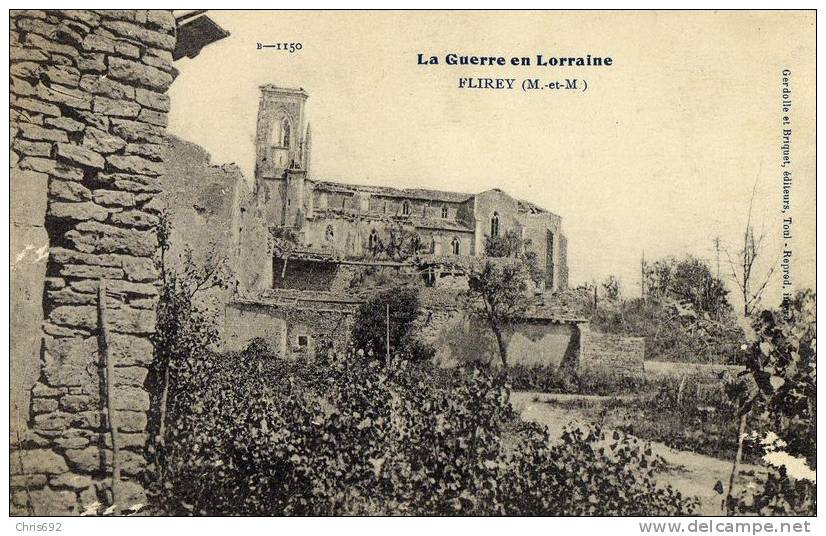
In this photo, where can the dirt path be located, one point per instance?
(690, 473)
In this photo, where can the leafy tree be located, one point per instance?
(497, 295)
(782, 404)
(688, 280)
(370, 326)
(507, 244)
(183, 327)
(612, 288)
(510, 244)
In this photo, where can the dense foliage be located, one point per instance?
(782, 407)
(684, 412)
(507, 244)
(251, 433)
(511, 244)
(398, 244)
(395, 310)
(685, 315)
(688, 280)
(550, 379)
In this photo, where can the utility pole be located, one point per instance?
(387, 337)
(717, 297)
(642, 276)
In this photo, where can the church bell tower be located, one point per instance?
(282, 154)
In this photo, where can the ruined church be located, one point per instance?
(310, 251)
(336, 221)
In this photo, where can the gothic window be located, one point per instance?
(494, 224)
(329, 234)
(455, 244)
(373, 241)
(285, 133)
(281, 128)
(405, 208)
(444, 212)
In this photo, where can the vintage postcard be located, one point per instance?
(413, 263)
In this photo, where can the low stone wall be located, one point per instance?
(611, 354)
(291, 328)
(295, 322)
(244, 322)
(88, 114)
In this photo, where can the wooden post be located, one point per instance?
(284, 267)
(642, 276)
(110, 395)
(727, 502)
(387, 337)
(717, 294)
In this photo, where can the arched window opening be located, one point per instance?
(444, 212)
(329, 234)
(455, 243)
(285, 133)
(373, 240)
(494, 224)
(433, 244)
(281, 131)
(405, 208)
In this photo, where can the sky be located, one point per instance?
(659, 156)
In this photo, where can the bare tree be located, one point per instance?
(742, 269)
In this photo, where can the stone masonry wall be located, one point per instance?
(611, 354)
(88, 115)
(281, 325)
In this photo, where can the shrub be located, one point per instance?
(782, 408)
(549, 379)
(252, 434)
(687, 414)
(370, 325)
(542, 378)
(589, 474)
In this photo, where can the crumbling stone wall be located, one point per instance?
(244, 322)
(611, 354)
(318, 322)
(88, 115)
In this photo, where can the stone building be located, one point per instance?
(348, 221)
(88, 111)
(311, 251)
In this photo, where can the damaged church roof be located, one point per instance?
(387, 191)
(425, 194)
